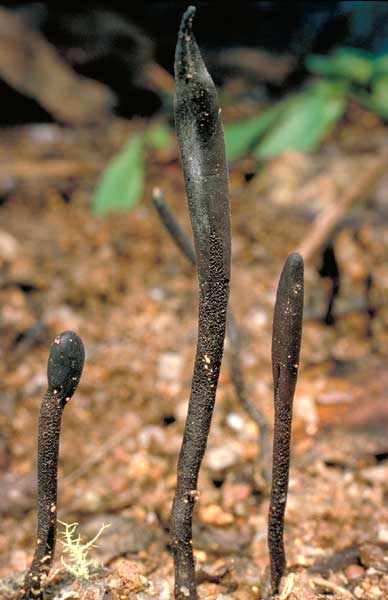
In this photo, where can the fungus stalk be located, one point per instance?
(201, 142)
(286, 340)
(185, 245)
(64, 370)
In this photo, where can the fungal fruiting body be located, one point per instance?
(169, 221)
(185, 245)
(202, 148)
(64, 370)
(286, 340)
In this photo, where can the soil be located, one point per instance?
(122, 285)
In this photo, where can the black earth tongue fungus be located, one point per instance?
(185, 245)
(169, 221)
(201, 142)
(286, 340)
(64, 370)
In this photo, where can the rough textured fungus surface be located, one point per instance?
(286, 340)
(201, 142)
(64, 369)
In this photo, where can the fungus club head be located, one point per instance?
(65, 365)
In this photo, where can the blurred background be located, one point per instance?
(117, 45)
(86, 134)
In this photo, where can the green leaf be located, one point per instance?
(121, 184)
(381, 65)
(377, 99)
(379, 95)
(159, 136)
(348, 63)
(241, 137)
(306, 120)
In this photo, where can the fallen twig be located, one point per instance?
(327, 221)
(329, 585)
(33, 67)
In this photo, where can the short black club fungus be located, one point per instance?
(64, 370)
(286, 340)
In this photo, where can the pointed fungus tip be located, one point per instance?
(188, 60)
(157, 195)
(187, 21)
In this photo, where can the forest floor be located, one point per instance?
(122, 285)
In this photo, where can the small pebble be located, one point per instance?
(157, 294)
(222, 457)
(382, 534)
(170, 366)
(354, 571)
(9, 246)
(235, 422)
(259, 318)
(214, 515)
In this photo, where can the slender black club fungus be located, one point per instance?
(286, 339)
(169, 221)
(64, 370)
(201, 141)
(185, 245)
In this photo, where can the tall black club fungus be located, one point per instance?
(64, 370)
(185, 245)
(286, 339)
(201, 142)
